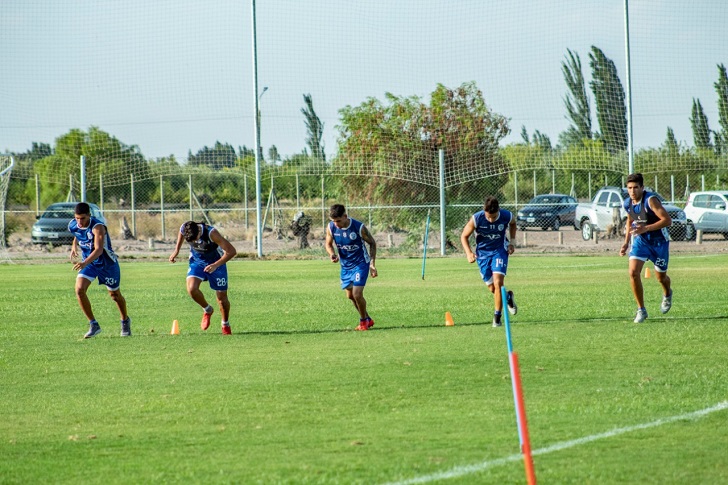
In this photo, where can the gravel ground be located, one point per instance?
(532, 241)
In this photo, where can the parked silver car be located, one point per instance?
(52, 225)
(708, 211)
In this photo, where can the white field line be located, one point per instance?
(460, 471)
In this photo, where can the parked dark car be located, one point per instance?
(547, 211)
(52, 225)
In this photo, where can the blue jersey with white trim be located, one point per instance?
(349, 243)
(204, 250)
(86, 241)
(491, 236)
(642, 213)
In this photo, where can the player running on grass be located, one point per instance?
(209, 252)
(98, 261)
(648, 221)
(357, 264)
(492, 248)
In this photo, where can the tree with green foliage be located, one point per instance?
(699, 124)
(721, 88)
(576, 101)
(610, 104)
(219, 156)
(315, 129)
(394, 144)
(671, 145)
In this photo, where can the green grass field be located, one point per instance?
(295, 396)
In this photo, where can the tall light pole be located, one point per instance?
(258, 189)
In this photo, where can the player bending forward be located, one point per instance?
(357, 264)
(97, 261)
(492, 248)
(209, 252)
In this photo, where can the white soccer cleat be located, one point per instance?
(666, 303)
(641, 316)
(511, 303)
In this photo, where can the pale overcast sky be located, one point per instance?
(175, 75)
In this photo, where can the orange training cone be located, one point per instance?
(647, 272)
(448, 320)
(175, 328)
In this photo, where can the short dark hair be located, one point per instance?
(336, 210)
(491, 205)
(636, 178)
(82, 208)
(190, 231)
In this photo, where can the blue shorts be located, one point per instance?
(355, 276)
(656, 251)
(493, 262)
(109, 274)
(218, 279)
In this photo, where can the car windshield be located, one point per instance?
(60, 213)
(546, 199)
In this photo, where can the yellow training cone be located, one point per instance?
(647, 272)
(175, 328)
(448, 320)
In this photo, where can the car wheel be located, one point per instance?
(587, 230)
(557, 224)
(689, 232)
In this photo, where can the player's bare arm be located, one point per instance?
(369, 239)
(178, 246)
(228, 249)
(74, 250)
(627, 236)
(512, 236)
(329, 246)
(465, 240)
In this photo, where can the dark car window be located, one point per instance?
(58, 214)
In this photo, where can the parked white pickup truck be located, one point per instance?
(599, 214)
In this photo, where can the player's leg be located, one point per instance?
(224, 304)
(635, 280)
(193, 289)
(498, 279)
(82, 285)
(662, 257)
(120, 301)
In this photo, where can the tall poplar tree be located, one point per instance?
(610, 104)
(315, 128)
(699, 124)
(576, 101)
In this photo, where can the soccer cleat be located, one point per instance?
(226, 330)
(365, 324)
(93, 330)
(641, 316)
(666, 303)
(511, 303)
(126, 327)
(205, 323)
(497, 321)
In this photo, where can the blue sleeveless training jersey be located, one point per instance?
(491, 236)
(85, 239)
(350, 245)
(642, 213)
(204, 251)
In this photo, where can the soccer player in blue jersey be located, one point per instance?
(97, 261)
(209, 251)
(492, 249)
(648, 221)
(350, 236)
